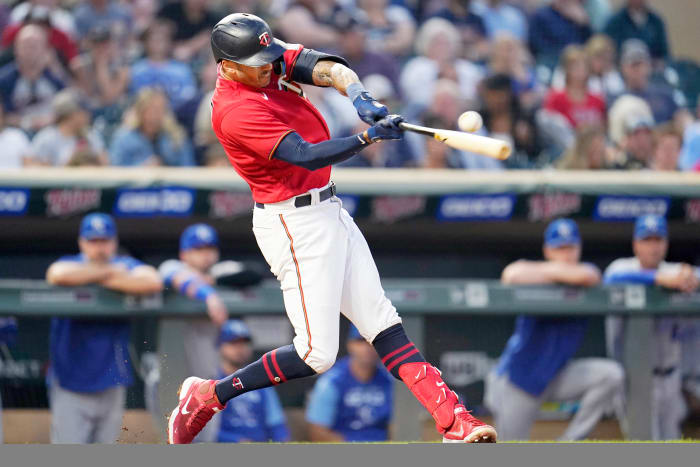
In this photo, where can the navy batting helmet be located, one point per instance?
(245, 39)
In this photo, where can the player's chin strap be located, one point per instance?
(282, 81)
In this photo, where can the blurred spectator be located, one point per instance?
(395, 153)
(352, 29)
(58, 17)
(150, 135)
(56, 145)
(254, 416)
(649, 267)
(101, 75)
(437, 155)
(636, 20)
(353, 401)
(215, 156)
(193, 21)
(86, 157)
(637, 147)
(310, 23)
(500, 17)
(509, 57)
(444, 111)
(623, 108)
(474, 37)
(438, 43)
(62, 45)
(589, 152)
(636, 70)
(90, 362)
(159, 70)
(554, 26)
(667, 149)
(599, 12)
(14, 144)
(690, 153)
(391, 28)
(538, 362)
(604, 79)
(575, 102)
(111, 15)
(8, 335)
(143, 13)
(29, 83)
(505, 119)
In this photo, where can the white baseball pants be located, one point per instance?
(596, 382)
(325, 268)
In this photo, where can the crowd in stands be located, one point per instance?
(572, 84)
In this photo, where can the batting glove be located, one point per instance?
(368, 109)
(385, 129)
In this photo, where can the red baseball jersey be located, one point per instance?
(251, 122)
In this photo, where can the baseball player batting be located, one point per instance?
(280, 144)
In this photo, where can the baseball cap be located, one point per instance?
(634, 122)
(197, 236)
(97, 225)
(561, 232)
(633, 51)
(650, 225)
(232, 330)
(354, 334)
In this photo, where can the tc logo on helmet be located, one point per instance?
(264, 39)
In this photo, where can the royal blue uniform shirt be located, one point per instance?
(538, 349)
(359, 411)
(91, 355)
(253, 416)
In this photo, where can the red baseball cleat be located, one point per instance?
(467, 429)
(198, 403)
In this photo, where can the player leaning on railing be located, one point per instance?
(280, 144)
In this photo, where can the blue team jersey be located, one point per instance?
(253, 416)
(359, 411)
(538, 349)
(90, 355)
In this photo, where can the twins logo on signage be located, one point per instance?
(67, 202)
(627, 208)
(147, 202)
(13, 201)
(545, 206)
(388, 209)
(692, 210)
(476, 207)
(229, 204)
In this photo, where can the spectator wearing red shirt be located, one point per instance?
(64, 46)
(575, 102)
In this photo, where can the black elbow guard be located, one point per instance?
(306, 61)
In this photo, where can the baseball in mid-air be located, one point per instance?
(470, 121)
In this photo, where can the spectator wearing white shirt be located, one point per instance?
(71, 133)
(14, 143)
(437, 43)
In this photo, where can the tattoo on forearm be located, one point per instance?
(327, 73)
(321, 73)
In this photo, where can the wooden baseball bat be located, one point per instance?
(490, 147)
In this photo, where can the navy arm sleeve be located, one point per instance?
(306, 61)
(295, 150)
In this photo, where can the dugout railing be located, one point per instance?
(417, 300)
